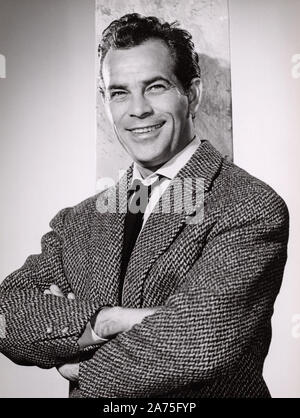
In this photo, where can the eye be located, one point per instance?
(157, 88)
(118, 94)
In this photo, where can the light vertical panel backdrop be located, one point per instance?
(207, 21)
(47, 140)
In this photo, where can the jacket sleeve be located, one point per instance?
(207, 324)
(40, 329)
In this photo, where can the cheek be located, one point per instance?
(181, 109)
(173, 104)
(115, 112)
(109, 113)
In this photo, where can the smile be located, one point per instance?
(147, 129)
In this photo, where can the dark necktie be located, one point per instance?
(139, 196)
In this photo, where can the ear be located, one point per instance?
(195, 95)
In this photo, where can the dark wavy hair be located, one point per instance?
(134, 29)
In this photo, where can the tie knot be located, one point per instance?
(138, 185)
(139, 196)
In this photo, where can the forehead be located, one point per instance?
(150, 59)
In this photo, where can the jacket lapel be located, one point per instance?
(161, 229)
(106, 242)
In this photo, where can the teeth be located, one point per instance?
(148, 129)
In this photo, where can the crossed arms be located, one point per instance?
(108, 323)
(200, 333)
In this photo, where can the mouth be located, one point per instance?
(146, 129)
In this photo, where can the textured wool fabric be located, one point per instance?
(215, 282)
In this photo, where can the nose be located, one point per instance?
(139, 107)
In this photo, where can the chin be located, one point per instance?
(148, 160)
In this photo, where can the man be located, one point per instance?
(166, 303)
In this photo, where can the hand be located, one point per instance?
(112, 321)
(69, 371)
(55, 291)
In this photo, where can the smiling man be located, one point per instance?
(147, 104)
(144, 302)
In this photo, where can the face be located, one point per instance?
(146, 104)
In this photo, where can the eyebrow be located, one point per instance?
(145, 83)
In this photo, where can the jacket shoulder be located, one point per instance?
(250, 193)
(79, 214)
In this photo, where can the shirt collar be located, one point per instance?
(171, 167)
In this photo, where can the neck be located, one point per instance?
(147, 171)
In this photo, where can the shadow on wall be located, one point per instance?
(214, 118)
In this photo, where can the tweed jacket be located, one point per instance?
(215, 282)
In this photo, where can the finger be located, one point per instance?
(62, 370)
(55, 290)
(69, 371)
(47, 292)
(71, 296)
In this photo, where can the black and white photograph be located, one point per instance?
(149, 160)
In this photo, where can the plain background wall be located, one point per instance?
(47, 139)
(266, 126)
(47, 142)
